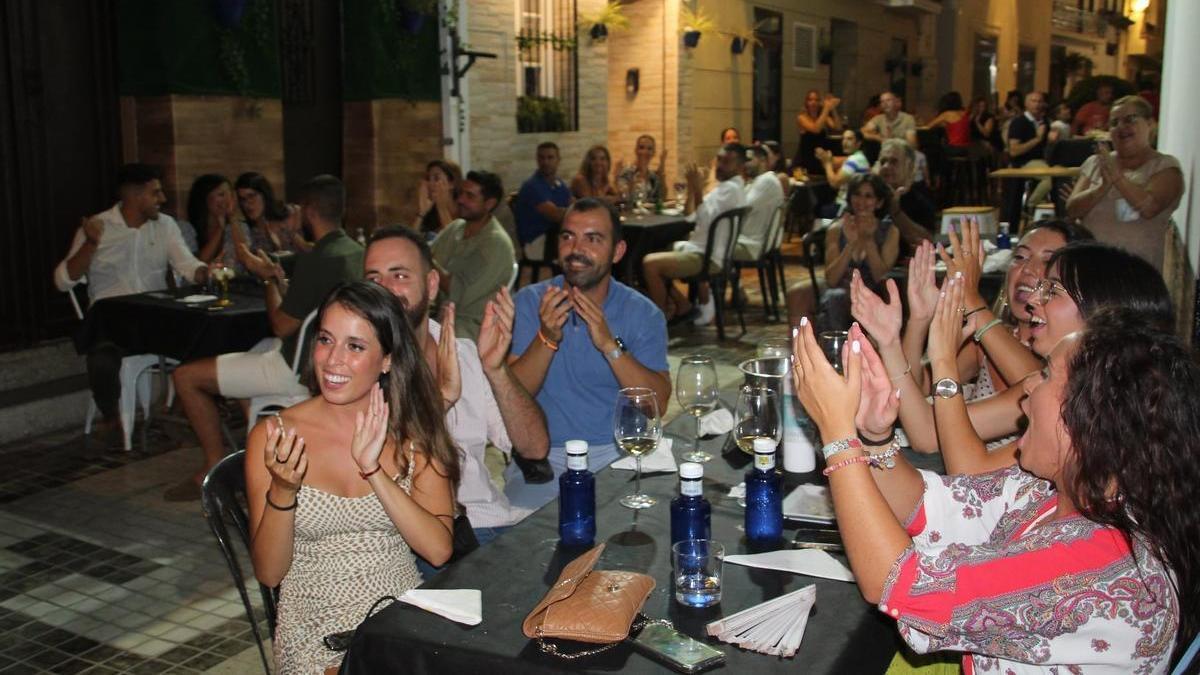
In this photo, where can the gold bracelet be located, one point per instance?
(907, 370)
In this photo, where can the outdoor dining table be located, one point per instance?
(158, 322)
(646, 233)
(845, 634)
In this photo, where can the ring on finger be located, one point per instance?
(278, 460)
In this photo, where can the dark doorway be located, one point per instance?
(1058, 72)
(310, 52)
(59, 150)
(983, 70)
(768, 74)
(1026, 68)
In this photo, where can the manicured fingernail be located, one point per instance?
(957, 275)
(804, 321)
(795, 332)
(941, 294)
(855, 347)
(897, 394)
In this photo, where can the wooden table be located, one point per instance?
(1036, 172)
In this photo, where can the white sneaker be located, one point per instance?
(708, 311)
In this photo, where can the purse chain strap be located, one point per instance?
(552, 649)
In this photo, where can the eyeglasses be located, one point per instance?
(1046, 289)
(1128, 120)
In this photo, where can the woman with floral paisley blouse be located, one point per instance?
(1082, 559)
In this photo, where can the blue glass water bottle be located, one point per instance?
(1003, 240)
(691, 515)
(764, 497)
(577, 499)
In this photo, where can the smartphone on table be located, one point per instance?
(677, 650)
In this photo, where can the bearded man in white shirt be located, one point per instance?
(687, 258)
(764, 194)
(122, 251)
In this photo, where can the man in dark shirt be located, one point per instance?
(910, 208)
(1027, 135)
(541, 203)
(266, 369)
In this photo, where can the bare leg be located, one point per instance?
(801, 301)
(658, 270)
(196, 386)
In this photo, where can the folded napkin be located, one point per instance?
(774, 627)
(461, 605)
(197, 298)
(717, 422)
(810, 562)
(661, 460)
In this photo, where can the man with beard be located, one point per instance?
(581, 337)
(489, 404)
(122, 251)
(473, 254)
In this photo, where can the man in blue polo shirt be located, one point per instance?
(581, 337)
(541, 203)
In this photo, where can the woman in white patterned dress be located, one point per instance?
(1080, 560)
(344, 487)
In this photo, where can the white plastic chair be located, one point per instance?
(262, 405)
(135, 385)
(512, 280)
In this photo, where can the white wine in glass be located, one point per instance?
(637, 428)
(756, 416)
(696, 390)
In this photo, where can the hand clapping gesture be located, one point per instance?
(882, 320)
(553, 312)
(880, 403)
(593, 316)
(967, 261)
(448, 377)
(495, 332)
(285, 457)
(370, 432)
(945, 332)
(824, 156)
(831, 400)
(922, 284)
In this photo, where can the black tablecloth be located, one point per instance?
(844, 633)
(646, 234)
(157, 323)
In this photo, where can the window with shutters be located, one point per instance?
(547, 66)
(804, 46)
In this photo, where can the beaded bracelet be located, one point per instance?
(840, 446)
(884, 460)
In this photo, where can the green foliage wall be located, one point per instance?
(382, 58)
(179, 47)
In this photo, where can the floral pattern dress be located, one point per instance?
(991, 574)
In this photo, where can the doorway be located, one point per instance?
(983, 70)
(310, 50)
(768, 75)
(843, 44)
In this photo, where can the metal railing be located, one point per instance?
(1068, 16)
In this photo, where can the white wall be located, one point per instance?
(1179, 135)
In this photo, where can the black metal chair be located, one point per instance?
(222, 497)
(729, 224)
(765, 264)
(813, 248)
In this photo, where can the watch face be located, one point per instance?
(946, 388)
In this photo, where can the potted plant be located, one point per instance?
(612, 15)
(693, 24)
(747, 37)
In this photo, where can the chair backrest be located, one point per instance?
(1070, 153)
(774, 238)
(72, 295)
(1188, 658)
(221, 497)
(300, 336)
(512, 280)
(731, 223)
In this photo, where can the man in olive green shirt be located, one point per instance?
(473, 254)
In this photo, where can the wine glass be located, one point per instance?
(831, 344)
(680, 193)
(637, 427)
(756, 416)
(222, 273)
(696, 390)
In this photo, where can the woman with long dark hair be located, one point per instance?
(274, 226)
(211, 210)
(1084, 558)
(954, 118)
(436, 195)
(344, 487)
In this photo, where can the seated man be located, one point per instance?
(854, 162)
(891, 122)
(492, 406)
(578, 339)
(911, 209)
(473, 255)
(334, 258)
(687, 258)
(122, 251)
(541, 203)
(764, 194)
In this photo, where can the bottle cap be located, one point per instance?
(691, 470)
(577, 447)
(764, 446)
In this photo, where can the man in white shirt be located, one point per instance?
(764, 194)
(687, 258)
(492, 406)
(122, 251)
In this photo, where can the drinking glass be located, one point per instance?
(222, 273)
(774, 348)
(637, 428)
(680, 194)
(831, 344)
(756, 416)
(697, 569)
(696, 390)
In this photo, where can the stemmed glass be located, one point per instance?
(637, 428)
(680, 194)
(222, 274)
(696, 390)
(756, 416)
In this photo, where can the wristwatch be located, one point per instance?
(617, 351)
(946, 388)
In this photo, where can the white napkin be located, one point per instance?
(717, 422)
(738, 491)
(461, 605)
(661, 460)
(197, 298)
(809, 502)
(774, 627)
(810, 562)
